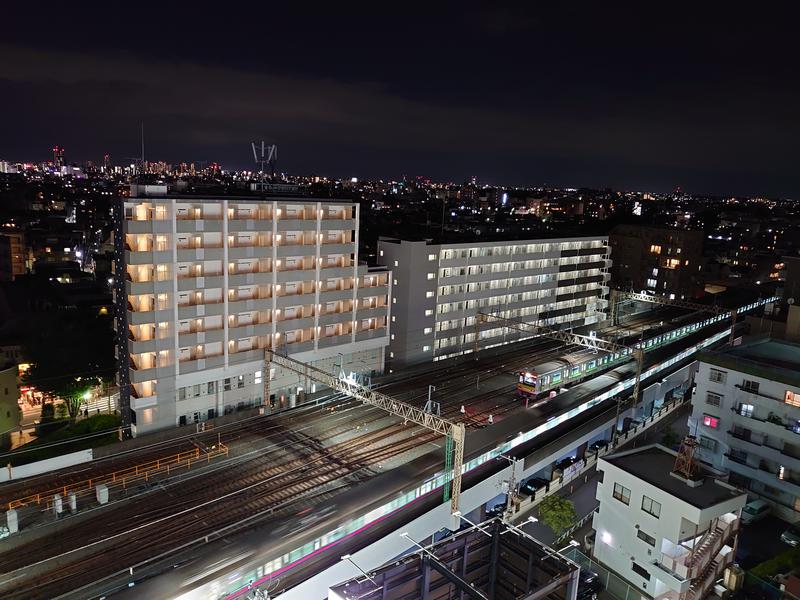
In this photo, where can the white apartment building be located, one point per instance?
(439, 288)
(669, 536)
(205, 285)
(746, 411)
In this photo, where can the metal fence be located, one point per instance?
(614, 585)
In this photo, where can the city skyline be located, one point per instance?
(573, 97)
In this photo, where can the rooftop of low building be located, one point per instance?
(654, 464)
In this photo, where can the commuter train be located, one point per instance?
(540, 382)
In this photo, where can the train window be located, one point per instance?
(556, 377)
(576, 370)
(528, 378)
(591, 365)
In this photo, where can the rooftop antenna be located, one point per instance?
(142, 146)
(268, 155)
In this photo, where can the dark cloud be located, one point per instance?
(590, 95)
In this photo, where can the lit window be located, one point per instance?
(426, 348)
(428, 330)
(709, 421)
(394, 300)
(431, 276)
(392, 318)
(395, 282)
(430, 294)
(792, 398)
(651, 507)
(651, 283)
(392, 336)
(428, 312)
(381, 252)
(655, 249)
(622, 493)
(396, 264)
(391, 354)
(258, 377)
(431, 257)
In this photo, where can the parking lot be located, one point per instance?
(760, 541)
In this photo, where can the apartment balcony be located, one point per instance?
(773, 426)
(758, 447)
(296, 249)
(371, 334)
(141, 346)
(237, 306)
(201, 363)
(296, 299)
(201, 337)
(763, 474)
(335, 271)
(297, 347)
(138, 227)
(334, 340)
(249, 224)
(335, 318)
(188, 284)
(200, 253)
(210, 309)
(297, 224)
(254, 251)
(292, 324)
(335, 295)
(257, 278)
(142, 375)
(138, 288)
(236, 356)
(373, 290)
(368, 313)
(150, 257)
(147, 317)
(285, 276)
(197, 225)
(337, 248)
(336, 224)
(248, 330)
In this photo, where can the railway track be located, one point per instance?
(295, 467)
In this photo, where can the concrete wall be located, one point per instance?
(45, 466)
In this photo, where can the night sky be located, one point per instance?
(647, 96)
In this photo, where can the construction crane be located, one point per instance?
(568, 337)
(454, 432)
(616, 296)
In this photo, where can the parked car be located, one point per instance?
(598, 445)
(534, 483)
(565, 463)
(496, 511)
(755, 511)
(791, 536)
(588, 585)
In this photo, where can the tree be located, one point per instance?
(557, 513)
(70, 352)
(670, 438)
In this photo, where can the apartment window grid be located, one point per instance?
(651, 507)
(714, 399)
(750, 386)
(717, 376)
(646, 538)
(622, 494)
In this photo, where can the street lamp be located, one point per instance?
(349, 559)
(458, 515)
